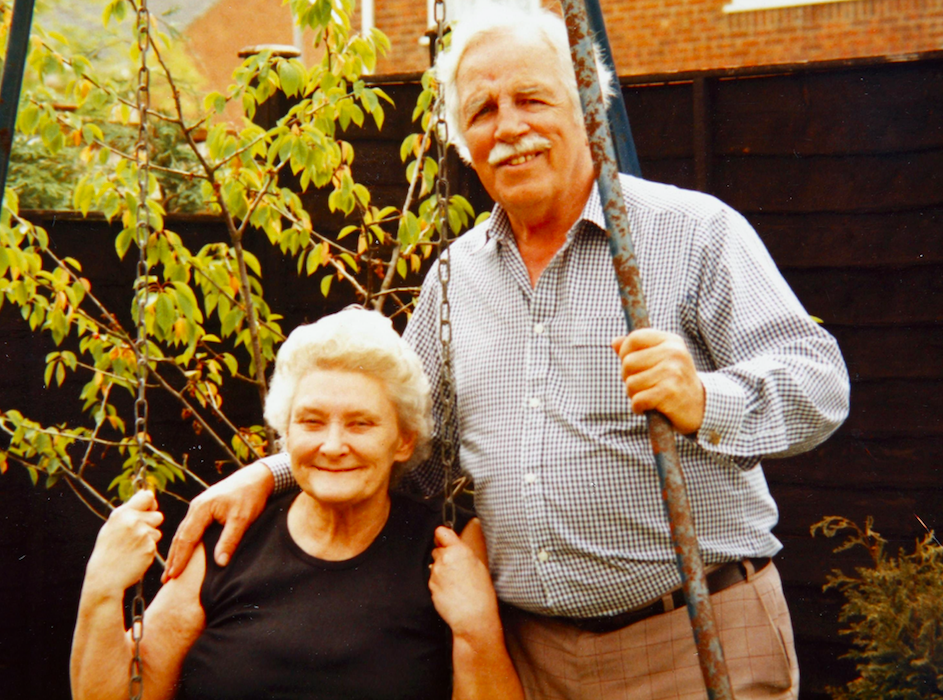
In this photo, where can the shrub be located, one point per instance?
(894, 616)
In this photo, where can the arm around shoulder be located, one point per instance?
(236, 501)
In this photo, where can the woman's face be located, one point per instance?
(343, 438)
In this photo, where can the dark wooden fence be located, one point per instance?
(838, 166)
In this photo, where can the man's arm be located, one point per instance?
(755, 375)
(236, 501)
(774, 380)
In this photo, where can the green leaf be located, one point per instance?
(28, 119)
(232, 321)
(231, 363)
(291, 77)
(408, 146)
(123, 241)
(92, 132)
(314, 260)
(186, 301)
(166, 312)
(326, 285)
(215, 101)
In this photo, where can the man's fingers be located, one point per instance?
(617, 344)
(189, 533)
(233, 531)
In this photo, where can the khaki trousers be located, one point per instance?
(656, 659)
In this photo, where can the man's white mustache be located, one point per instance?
(531, 143)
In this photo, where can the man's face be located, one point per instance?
(526, 145)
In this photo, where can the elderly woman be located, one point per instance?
(329, 597)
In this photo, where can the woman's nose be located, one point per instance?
(335, 441)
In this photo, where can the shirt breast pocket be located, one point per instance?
(592, 369)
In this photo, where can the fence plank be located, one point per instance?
(897, 107)
(907, 463)
(875, 239)
(862, 183)
(892, 297)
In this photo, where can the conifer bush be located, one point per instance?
(893, 613)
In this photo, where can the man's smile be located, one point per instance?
(520, 159)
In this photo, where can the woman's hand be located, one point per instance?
(461, 586)
(126, 544)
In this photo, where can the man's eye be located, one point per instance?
(482, 112)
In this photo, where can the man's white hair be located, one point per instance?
(528, 22)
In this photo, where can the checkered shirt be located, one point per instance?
(565, 481)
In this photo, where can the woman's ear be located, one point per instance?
(407, 445)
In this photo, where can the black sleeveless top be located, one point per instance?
(283, 624)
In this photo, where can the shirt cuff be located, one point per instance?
(280, 466)
(724, 407)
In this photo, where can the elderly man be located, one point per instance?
(548, 413)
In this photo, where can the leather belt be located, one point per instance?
(717, 580)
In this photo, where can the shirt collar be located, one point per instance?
(499, 226)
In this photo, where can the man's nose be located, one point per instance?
(511, 123)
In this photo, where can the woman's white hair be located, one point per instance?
(531, 23)
(354, 340)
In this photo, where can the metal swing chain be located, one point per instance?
(445, 320)
(142, 234)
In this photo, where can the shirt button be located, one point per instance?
(530, 478)
(538, 328)
(534, 402)
(543, 556)
(714, 438)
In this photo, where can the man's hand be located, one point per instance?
(660, 375)
(236, 501)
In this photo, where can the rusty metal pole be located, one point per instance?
(13, 67)
(619, 128)
(681, 521)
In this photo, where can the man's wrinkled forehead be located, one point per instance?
(547, 81)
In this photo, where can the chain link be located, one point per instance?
(448, 442)
(142, 234)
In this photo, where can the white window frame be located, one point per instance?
(754, 5)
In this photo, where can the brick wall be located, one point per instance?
(405, 23)
(658, 36)
(647, 36)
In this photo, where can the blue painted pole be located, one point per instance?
(13, 67)
(674, 493)
(626, 155)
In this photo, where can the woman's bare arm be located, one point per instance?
(464, 596)
(101, 647)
